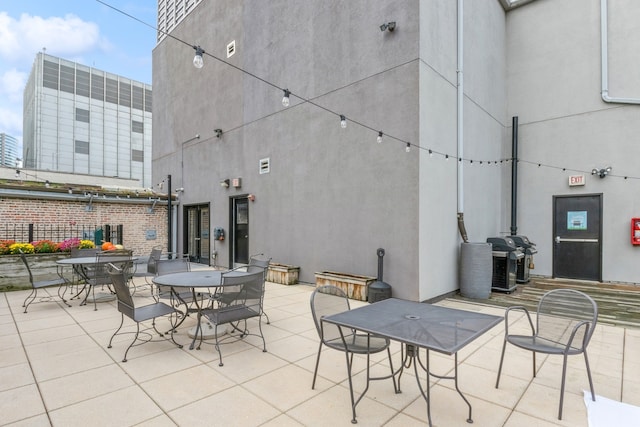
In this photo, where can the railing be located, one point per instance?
(59, 232)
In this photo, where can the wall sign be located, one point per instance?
(577, 220)
(575, 180)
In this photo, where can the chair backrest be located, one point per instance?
(325, 301)
(154, 257)
(167, 266)
(258, 264)
(120, 259)
(119, 281)
(78, 253)
(245, 290)
(560, 311)
(23, 257)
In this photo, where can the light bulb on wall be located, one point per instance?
(343, 121)
(379, 138)
(198, 62)
(285, 98)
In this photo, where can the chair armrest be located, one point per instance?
(517, 308)
(579, 325)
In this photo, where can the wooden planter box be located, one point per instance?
(283, 274)
(13, 273)
(353, 285)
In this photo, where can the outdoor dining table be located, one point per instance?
(418, 325)
(194, 280)
(79, 264)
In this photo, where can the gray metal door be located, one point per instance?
(197, 239)
(577, 236)
(240, 237)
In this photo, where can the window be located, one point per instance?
(67, 79)
(97, 87)
(82, 83)
(82, 147)
(137, 155)
(137, 98)
(50, 75)
(82, 115)
(137, 127)
(125, 94)
(112, 91)
(147, 100)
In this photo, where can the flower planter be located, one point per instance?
(355, 286)
(283, 274)
(14, 275)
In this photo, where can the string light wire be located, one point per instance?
(311, 101)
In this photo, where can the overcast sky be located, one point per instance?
(84, 31)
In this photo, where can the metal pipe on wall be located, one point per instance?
(514, 175)
(169, 218)
(460, 117)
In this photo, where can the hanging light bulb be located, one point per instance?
(430, 153)
(285, 98)
(379, 138)
(343, 121)
(198, 62)
(446, 157)
(408, 147)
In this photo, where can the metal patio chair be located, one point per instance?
(40, 284)
(259, 264)
(565, 322)
(240, 298)
(127, 308)
(328, 300)
(96, 275)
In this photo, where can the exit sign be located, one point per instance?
(575, 180)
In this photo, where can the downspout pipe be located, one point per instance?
(460, 121)
(604, 60)
(169, 218)
(514, 175)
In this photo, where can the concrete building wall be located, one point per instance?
(333, 196)
(554, 85)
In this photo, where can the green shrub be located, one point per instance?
(45, 247)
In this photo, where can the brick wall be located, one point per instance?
(135, 218)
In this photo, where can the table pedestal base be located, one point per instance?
(207, 330)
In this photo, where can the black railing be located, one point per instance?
(26, 233)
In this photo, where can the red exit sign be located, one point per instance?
(576, 180)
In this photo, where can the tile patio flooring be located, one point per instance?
(55, 370)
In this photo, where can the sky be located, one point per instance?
(84, 31)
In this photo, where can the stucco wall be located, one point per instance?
(554, 84)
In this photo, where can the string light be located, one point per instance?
(198, 62)
(285, 98)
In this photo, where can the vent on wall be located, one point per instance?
(264, 166)
(231, 49)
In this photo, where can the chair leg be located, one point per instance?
(504, 346)
(564, 375)
(315, 371)
(34, 293)
(132, 342)
(117, 330)
(586, 362)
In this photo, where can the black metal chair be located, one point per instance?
(168, 266)
(126, 307)
(149, 270)
(328, 300)
(565, 322)
(259, 264)
(240, 297)
(60, 282)
(96, 275)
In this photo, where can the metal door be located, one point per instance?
(197, 239)
(577, 237)
(240, 230)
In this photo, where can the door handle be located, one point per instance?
(560, 239)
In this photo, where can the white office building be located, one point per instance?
(8, 150)
(79, 119)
